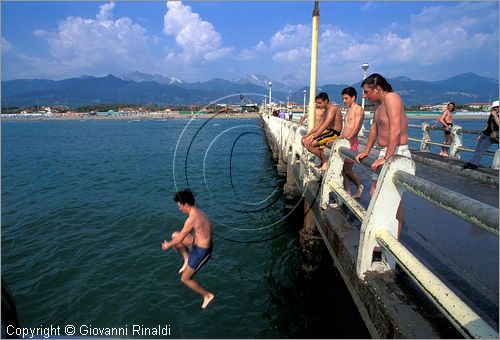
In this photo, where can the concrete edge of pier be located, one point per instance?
(387, 310)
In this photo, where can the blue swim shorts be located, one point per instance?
(198, 256)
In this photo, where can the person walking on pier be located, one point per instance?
(446, 119)
(327, 127)
(353, 121)
(194, 242)
(488, 136)
(389, 128)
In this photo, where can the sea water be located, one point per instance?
(86, 205)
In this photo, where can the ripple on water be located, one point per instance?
(86, 206)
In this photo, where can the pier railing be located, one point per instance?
(379, 225)
(456, 145)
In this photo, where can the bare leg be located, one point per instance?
(185, 256)
(351, 175)
(316, 152)
(183, 249)
(346, 182)
(324, 160)
(195, 286)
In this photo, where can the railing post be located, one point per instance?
(381, 213)
(496, 160)
(424, 144)
(333, 175)
(456, 142)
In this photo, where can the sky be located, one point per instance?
(201, 40)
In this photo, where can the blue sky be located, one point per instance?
(199, 41)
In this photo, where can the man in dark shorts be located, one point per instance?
(194, 242)
(446, 119)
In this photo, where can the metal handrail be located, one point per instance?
(465, 320)
(426, 127)
(474, 211)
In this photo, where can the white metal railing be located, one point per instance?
(379, 225)
(456, 142)
(454, 148)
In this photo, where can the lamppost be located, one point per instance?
(270, 96)
(365, 67)
(304, 107)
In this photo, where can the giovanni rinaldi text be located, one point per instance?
(87, 330)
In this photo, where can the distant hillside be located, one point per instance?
(141, 88)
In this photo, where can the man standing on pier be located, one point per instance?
(353, 122)
(389, 128)
(194, 242)
(446, 119)
(327, 127)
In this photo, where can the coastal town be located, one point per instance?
(225, 110)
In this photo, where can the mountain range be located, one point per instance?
(142, 88)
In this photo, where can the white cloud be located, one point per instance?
(252, 53)
(93, 46)
(6, 45)
(438, 34)
(106, 12)
(198, 39)
(290, 36)
(261, 47)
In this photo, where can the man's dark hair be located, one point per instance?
(350, 91)
(454, 106)
(323, 96)
(374, 80)
(184, 196)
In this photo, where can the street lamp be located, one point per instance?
(270, 96)
(365, 67)
(304, 108)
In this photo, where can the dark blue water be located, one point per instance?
(86, 204)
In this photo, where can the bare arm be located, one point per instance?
(188, 226)
(372, 137)
(317, 119)
(393, 107)
(329, 118)
(441, 119)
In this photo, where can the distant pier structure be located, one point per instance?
(421, 286)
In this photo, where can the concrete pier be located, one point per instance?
(388, 293)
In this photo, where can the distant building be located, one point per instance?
(478, 106)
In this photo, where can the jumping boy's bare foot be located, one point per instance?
(207, 299)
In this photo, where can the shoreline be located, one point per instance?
(137, 117)
(412, 116)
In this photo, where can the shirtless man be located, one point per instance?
(194, 242)
(446, 119)
(352, 124)
(389, 128)
(327, 127)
